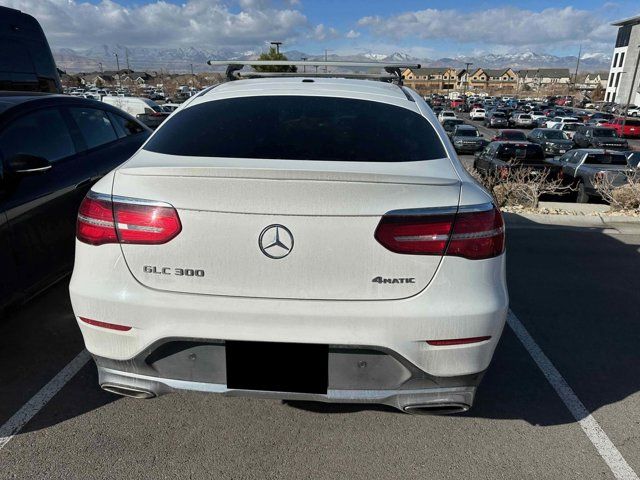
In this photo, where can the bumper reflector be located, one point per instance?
(457, 341)
(111, 326)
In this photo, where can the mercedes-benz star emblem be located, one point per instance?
(276, 241)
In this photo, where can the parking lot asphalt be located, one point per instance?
(575, 291)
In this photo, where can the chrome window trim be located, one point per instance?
(480, 207)
(128, 200)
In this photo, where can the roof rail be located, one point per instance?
(394, 69)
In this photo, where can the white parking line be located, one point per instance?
(12, 426)
(605, 447)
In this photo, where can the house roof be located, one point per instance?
(546, 72)
(431, 70)
(494, 72)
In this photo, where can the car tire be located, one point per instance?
(581, 195)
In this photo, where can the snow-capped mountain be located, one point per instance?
(181, 59)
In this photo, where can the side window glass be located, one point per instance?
(94, 125)
(129, 127)
(43, 133)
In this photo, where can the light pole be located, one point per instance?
(117, 68)
(631, 89)
(466, 81)
(277, 44)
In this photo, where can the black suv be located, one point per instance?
(26, 63)
(467, 138)
(591, 136)
(501, 156)
(553, 141)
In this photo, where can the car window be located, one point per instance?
(43, 133)
(521, 152)
(555, 135)
(95, 126)
(127, 125)
(299, 128)
(605, 159)
(576, 157)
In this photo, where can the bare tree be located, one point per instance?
(620, 197)
(520, 186)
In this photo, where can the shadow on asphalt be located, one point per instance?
(575, 290)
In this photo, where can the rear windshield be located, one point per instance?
(605, 159)
(521, 153)
(604, 132)
(513, 135)
(466, 132)
(555, 135)
(299, 128)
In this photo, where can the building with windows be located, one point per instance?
(624, 63)
(440, 80)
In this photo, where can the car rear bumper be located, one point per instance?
(465, 299)
(355, 375)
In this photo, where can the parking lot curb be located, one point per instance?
(621, 223)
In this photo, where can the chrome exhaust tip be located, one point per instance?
(436, 408)
(128, 391)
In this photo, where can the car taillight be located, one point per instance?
(105, 219)
(473, 232)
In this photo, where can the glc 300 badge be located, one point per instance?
(276, 241)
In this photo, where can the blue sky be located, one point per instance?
(425, 29)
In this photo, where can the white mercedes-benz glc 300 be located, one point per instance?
(294, 238)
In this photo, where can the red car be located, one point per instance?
(510, 136)
(631, 127)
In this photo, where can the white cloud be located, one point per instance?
(203, 23)
(507, 26)
(352, 34)
(321, 32)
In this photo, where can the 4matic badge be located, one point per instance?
(394, 280)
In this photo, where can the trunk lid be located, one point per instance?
(326, 214)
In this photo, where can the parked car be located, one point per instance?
(450, 123)
(599, 137)
(170, 107)
(521, 120)
(629, 128)
(145, 110)
(467, 139)
(227, 301)
(52, 149)
(510, 136)
(569, 129)
(503, 156)
(553, 141)
(633, 112)
(560, 120)
(601, 116)
(26, 61)
(495, 119)
(536, 114)
(596, 121)
(446, 115)
(477, 114)
(581, 168)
